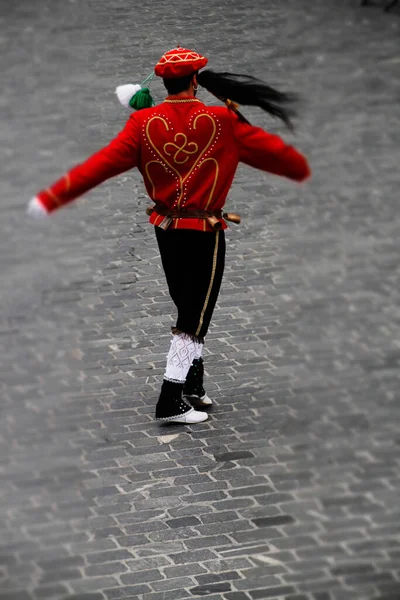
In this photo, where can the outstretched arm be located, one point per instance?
(268, 152)
(121, 154)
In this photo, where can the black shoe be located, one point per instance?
(172, 407)
(193, 389)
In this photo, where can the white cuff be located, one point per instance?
(36, 209)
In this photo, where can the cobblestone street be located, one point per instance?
(291, 489)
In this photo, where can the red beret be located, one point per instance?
(178, 63)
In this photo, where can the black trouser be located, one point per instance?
(193, 263)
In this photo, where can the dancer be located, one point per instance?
(187, 154)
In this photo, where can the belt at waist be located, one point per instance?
(211, 216)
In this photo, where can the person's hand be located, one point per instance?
(36, 209)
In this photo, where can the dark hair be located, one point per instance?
(178, 84)
(247, 90)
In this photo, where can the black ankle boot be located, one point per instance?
(193, 385)
(193, 389)
(173, 408)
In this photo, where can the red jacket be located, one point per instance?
(187, 153)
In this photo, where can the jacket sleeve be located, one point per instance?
(121, 154)
(268, 152)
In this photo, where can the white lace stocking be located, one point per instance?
(182, 352)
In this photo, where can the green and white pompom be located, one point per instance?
(134, 95)
(126, 92)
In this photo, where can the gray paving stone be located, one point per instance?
(207, 541)
(192, 556)
(205, 590)
(106, 569)
(130, 591)
(51, 591)
(60, 575)
(92, 584)
(275, 592)
(18, 595)
(166, 595)
(146, 576)
(94, 596)
(108, 556)
(183, 522)
(273, 521)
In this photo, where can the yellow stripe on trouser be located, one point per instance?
(214, 266)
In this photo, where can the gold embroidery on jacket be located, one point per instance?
(184, 148)
(215, 178)
(151, 162)
(180, 100)
(187, 148)
(53, 197)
